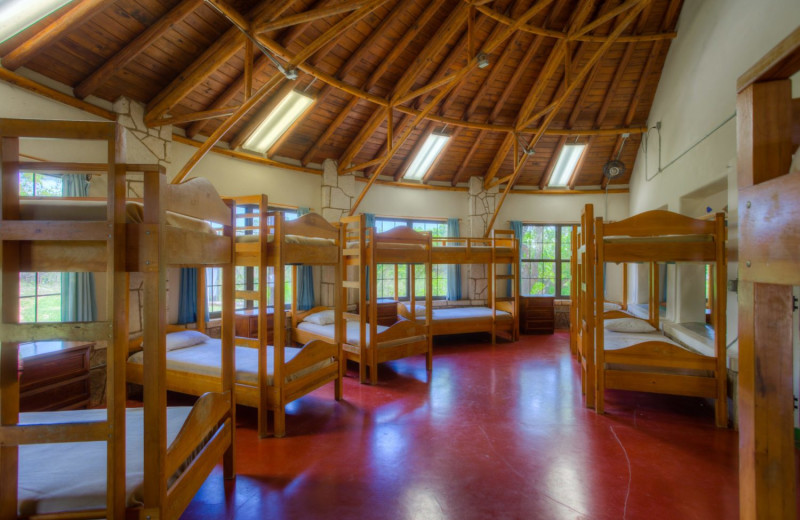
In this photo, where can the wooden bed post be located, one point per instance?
(720, 323)
(655, 294)
(9, 352)
(587, 305)
(154, 344)
(429, 305)
(279, 336)
(228, 368)
(362, 294)
(372, 310)
(573, 294)
(599, 336)
(624, 286)
(263, 297)
(201, 299)
(768, 214)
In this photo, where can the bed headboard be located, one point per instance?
(197, 198)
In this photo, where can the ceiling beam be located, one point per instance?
(128, 53)
(195, 116)
(222, 50)
(310, 15)
(627, 20)
(594, 24)
(82, 11)
(451, 25)
(488, 48)
(334, 31)
(353, 60)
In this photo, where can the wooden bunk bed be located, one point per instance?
(155, 458)
(768, 128)
(362, 339)
(649, 361)
(501, 315)
(268, 377)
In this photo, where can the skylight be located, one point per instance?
(565, 166)
(18, 15)
(430, 151)
(289, 109)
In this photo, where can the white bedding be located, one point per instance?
(289, 239)
(619, 340)
(206, 359)
(72, 476)
(329, 331)
(461, 313)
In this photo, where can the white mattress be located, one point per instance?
(329, 331)
(206, 359)
(90, 210)
(289, 239)
(72, 476)
(619, 340)
(461, 313)
(611, 306)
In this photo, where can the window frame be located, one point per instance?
(441, 268)
(561, 265)
(249, 271)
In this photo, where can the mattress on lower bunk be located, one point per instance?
(460, 313)
(620, 340)
(353, 333)
(288, 239)
(94, 210)
(72, 476)
(206, 359)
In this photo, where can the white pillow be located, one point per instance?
(321, 318)
(185, 338)
(418, 309)
(608, 306)
(628, 325)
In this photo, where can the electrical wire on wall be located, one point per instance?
(657, 128)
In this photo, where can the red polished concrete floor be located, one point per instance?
(495, 432)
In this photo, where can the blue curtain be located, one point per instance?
(516, 227)
(369, 221)
(453, 270)
(187, 296)
(78, 298)
(305, 281)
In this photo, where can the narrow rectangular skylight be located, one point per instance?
(422, 162)
(567, 161)
(288, 110)
(18, 15)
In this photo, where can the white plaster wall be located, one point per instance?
(560, 209)
(232, 177)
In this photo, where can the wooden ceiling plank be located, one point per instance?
(311, 153)
(333, 32)
(311, 15)
(447, 29)
(467, 159)
(248, 69)
(488, 47)
(128, 53)
(354, 59)
(81, 11)
(223, 49)
(627, 20)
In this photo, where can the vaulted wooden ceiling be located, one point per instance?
(560, 71)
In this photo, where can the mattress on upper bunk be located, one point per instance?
(288, 239)
(72, 476)
(353, 333)
(96, 210)
(460, 313)
(206, 359)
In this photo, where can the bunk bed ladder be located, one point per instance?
(112, 232)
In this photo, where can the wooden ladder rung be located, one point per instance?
(504, 299)
(351, 285)
(247, 295)
(504, 277)
(351, 316)
(75, 331)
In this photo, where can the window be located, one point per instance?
(545, 253)
(246, 278)
(40, 293)
(387, 272)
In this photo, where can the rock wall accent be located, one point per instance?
(338, 194)
(482, 204)
(143, 145)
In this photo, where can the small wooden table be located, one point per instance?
(246, 324)
(54, 375)
(387, 312)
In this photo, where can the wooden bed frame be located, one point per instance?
(501, 249)
(658, 366)
(364, 249)
(114, 247)
(768, 127)
(266, 397)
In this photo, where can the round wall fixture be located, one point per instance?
(613, 169)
